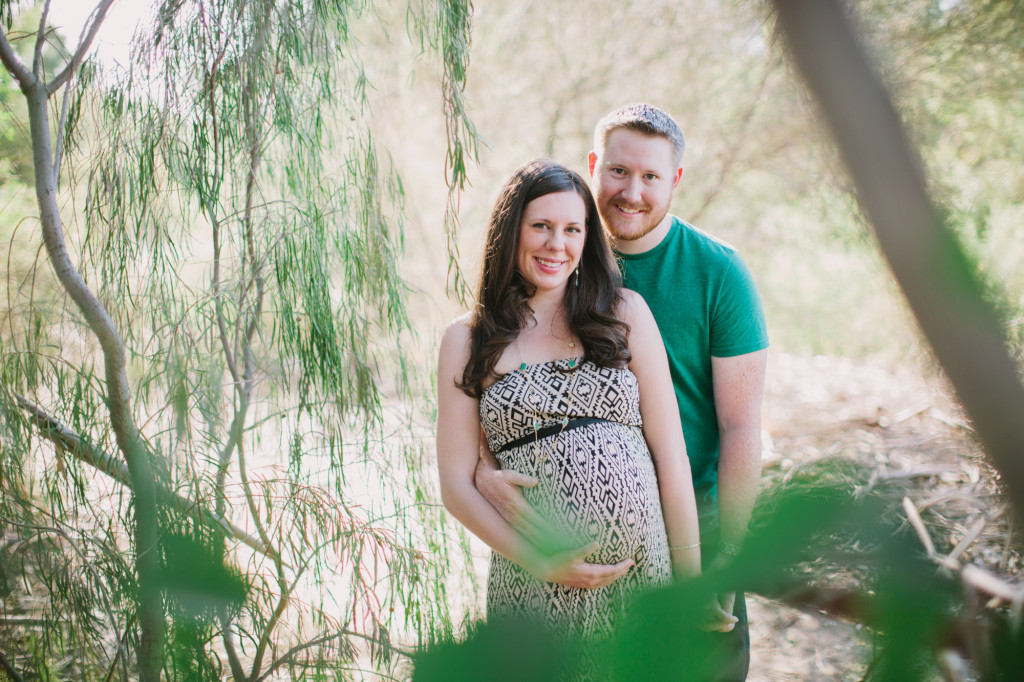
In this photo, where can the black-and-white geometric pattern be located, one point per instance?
(596, 484)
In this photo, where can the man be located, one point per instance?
(709, 313)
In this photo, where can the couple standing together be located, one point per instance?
(601, 432)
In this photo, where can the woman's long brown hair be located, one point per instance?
(502, 294)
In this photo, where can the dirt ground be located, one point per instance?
(904, 426)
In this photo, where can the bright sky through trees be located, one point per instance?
(114, 39)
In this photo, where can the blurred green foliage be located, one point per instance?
(804, 535)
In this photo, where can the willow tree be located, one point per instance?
(213, 327)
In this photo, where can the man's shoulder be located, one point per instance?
(699, 238)
(694, 244)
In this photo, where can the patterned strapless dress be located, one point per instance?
(597, 483)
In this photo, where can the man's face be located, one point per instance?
(634, 179)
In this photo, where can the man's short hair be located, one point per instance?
(643, 118)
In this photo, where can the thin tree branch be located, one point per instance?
(261, 648)
(287, 589)
(253, 511)
(286, 592)
(37, 53)
(70, 441)
(120, 661)
(59, 152)
(13, 63)
(222, 331)
(243, 384)
(290, 655)
(250, 192)
(6, 666)
(229, 645)
(97, 17)
(249, 371)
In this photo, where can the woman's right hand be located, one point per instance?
(569, 568)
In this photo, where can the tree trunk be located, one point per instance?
(118, 396)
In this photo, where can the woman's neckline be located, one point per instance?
(523, 366)
(527, 365)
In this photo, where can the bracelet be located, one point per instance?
(693, 546)
(728, 549)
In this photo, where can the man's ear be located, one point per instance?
(675, 181)
(592, 162)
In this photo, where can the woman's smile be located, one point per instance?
(551, 239)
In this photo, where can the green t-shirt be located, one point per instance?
(706, 304)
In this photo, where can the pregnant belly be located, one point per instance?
(596, 485)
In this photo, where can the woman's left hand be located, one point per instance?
(569, 568)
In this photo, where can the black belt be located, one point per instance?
(552, 430)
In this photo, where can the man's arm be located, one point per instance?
(503, 489)
(739, 389)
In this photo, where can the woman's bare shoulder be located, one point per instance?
(461, 324)
(457, 333)
(631, 307)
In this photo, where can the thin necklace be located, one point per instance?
(534, 399)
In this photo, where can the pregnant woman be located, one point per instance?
(565, 374)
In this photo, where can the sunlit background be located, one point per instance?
(849, 375)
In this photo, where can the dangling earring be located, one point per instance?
(577, 274)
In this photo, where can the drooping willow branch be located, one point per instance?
(104, 600)
(294, 652)
(71, 442)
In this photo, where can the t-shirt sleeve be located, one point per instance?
(737, 320)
